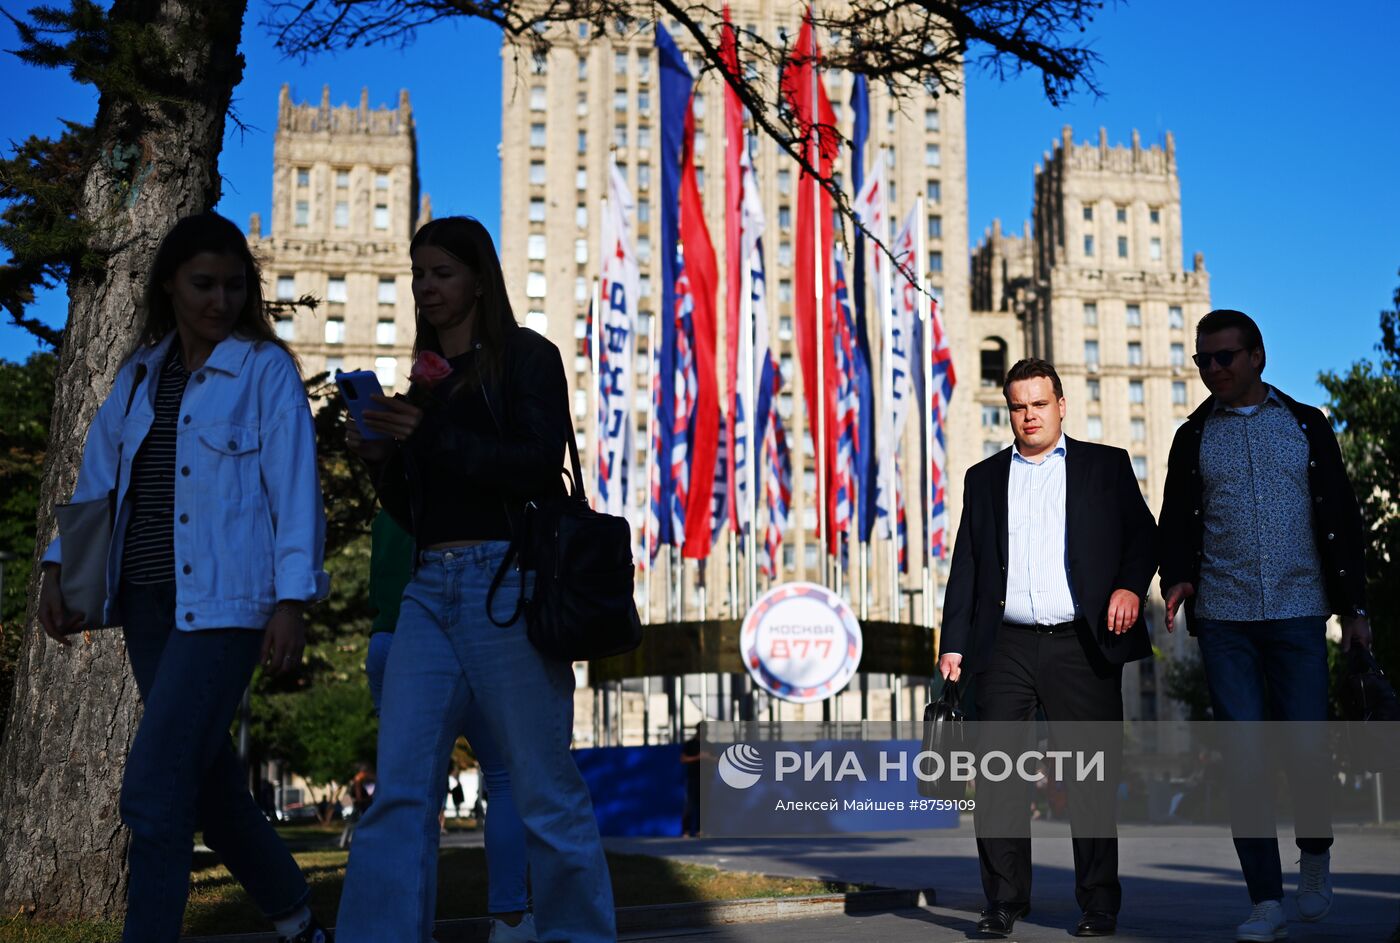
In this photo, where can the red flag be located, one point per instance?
(734, 145)
(797, 85)
(700, 271)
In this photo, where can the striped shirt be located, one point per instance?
(149, 553)
(1037, 579)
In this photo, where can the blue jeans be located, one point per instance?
(1272, 670)
(505, 833)
(449, 670)
(182, 774)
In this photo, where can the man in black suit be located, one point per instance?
(1054, 554)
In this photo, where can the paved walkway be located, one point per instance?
(1179, 884)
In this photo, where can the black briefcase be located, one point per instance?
(945, 730)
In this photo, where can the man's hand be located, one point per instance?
(57, 621)
(950, 667)
(284, 639)
(1356, 629)
(1123, 608)
(1175, 596)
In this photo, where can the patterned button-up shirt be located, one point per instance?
(1259, 560)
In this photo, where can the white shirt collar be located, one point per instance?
(1059, 450)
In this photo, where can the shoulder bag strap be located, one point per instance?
(117, 479)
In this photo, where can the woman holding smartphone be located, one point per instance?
(216, 548)
(482, 433)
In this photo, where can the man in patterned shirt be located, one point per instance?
(1262, 540)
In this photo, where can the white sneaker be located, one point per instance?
(522, 932)
(1266, 923)
(1314, 886)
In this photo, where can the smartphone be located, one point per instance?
(357, 387)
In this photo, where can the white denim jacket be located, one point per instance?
(249, 523)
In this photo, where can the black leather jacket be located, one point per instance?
(1336, 520)
(530, 404)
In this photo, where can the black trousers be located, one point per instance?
(1066, 676)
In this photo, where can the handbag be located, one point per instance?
(582, 606)
(945, 730)
(1370, 704)
(85, 532)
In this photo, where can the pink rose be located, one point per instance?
(429, 369)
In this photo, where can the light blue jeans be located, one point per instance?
(505, 833)
(451, 669)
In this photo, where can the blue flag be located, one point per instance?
(866, 472)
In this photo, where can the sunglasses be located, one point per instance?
(1222, 358)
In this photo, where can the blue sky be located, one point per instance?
(1288, 146)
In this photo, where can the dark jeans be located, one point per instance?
(1270, 671)
(1060, 674)
(182, 774)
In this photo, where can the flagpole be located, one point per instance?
(753, 456)
(886, 280)
(926, 432)
(651, 457)
(596, 390)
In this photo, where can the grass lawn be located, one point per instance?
(218, 904)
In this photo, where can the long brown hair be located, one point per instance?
(205, 232)
(466, 240)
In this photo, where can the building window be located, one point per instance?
(644, 103)
(644, 249)
(784, 218)
(581, 216)
(1091, 354)
(1122, 213)
(534, 285)
(698, 106)
(700, 178)
(1175, 320)
(935, 227)
(933, 155)
(537, 135)
(1122, 247)
(388, 292)
(1140, 467)
(284, 328)
(933, 191)
(1134, 354)
(620, 100)
(1093, 428)
(785, 328)
(644, 176)
(286, 288)
(1135, 394)
(700, 142)
(581, 179)
(1139, 429)
(335, 331)
(534, 247)
(582, 104)
(935, 261)
(381, 181)
(931, 119)
(583, 68)
(1095, 392)
(583, 142)
(993, 417)
(620, 135)
(784, 182)
(1155, 215)
(1178, 355)
(580, 403)
(643, 66)
(381, 216)
(580, 289)
(1154, 249)
(993, 362)
(785, 289)
(1088, 213)
(385, 333)
(644, 211)
(1178, 393)
(537, 98)
(303, 177)
(620, 62)
(1091, 314)
(537, 173)
(1133, 316)
(784, 253)
(335, 289)
(581, 251)
(1088, 245)
(644, 136)
(537, 321)
(536, 210)
(303, 214)
(342, 179)
(387, 370)
(342, 214)
(990, 448)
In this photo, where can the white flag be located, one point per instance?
(900, 311)
(616, 345)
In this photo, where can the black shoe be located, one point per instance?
(1096, 923)
(314, 933)
(1000, 917)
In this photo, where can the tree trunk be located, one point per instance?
(73, 711)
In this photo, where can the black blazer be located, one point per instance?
(1338, 529)
(1111, 539)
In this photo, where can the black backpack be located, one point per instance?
(582, 607)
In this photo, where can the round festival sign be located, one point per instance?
(801, 642)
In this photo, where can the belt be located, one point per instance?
(1062, 628)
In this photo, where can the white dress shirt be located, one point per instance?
(1037, 576)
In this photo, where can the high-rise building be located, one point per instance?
(594, 99)
(344, 208)
(1100, 289)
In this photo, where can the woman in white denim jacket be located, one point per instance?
(216, 547)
